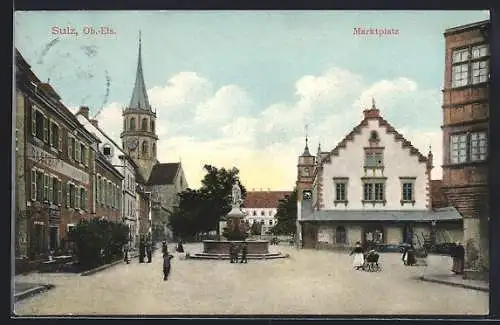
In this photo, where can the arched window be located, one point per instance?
(125, 125)
(152, 126)
(144, 124)
(340, 235)
(154, 150)
(145, 149)
(132, 123)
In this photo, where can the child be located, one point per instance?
(166, 265)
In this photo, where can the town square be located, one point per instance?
(188, 163)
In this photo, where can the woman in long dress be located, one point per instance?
(359, 259)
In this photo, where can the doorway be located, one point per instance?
(53, 238)
(408, 233)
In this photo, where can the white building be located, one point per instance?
(262, 206)
(124, 164)
(373, 187)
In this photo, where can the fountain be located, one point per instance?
(236, 232)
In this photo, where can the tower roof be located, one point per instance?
(306, 152)
(139, 96)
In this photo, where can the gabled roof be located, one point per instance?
(373, 114)
(264, 199)
(438, 198)
(163, 174)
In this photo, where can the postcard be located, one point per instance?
(251, 163)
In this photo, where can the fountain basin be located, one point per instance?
(222, 246)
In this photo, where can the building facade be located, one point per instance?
(465, 132)
(123, 164)
(373, 187)
(165, 182)
(261, 207)
(57, 155)
(108, 189)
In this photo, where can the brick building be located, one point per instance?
(56, 157)
(465, 131)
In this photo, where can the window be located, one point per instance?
(340, 235)
(270, 213)
(153, 126)
(71, 195)
(78, 198)
(407, 189)
(37, 124)
(374, 159)
(270, 222)
(51, 189)
(262, 213)
(468, 147)
(144, 124)
(83, 154)
(71, 144)
(68, 195)
(145, 148)
(33, 120)
(33, 185)
(460, 75)
(54, 136)
(45, 130)
(83, 199)
(478, 146)
(374, 192)
(480, 72)
(470, 66)
(60, 144)
(340, 189)
(46, 180)
(154, 153)
(78, 152)
(132, 124)
(255, 213)
(56, 191)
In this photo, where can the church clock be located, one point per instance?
(132, 144)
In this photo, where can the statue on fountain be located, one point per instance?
(236, 229)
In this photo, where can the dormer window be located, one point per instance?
(373, 136)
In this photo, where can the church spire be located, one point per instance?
(306, 149)
(139, 96)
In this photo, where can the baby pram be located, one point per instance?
(371, 262)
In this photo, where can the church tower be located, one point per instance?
(305, 173)
(139, 135)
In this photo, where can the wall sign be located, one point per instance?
(49, 160)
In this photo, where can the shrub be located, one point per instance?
(98, 241)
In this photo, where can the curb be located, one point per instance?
(105, 266)
(466, 286)
(34, 291)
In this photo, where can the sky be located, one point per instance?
(237, 88)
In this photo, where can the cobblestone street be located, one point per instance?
(309, 282)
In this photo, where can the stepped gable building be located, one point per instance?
(465, 133)
(262, 206)
(54, 166)
(374, 187)
(139, 140)
(112, 155)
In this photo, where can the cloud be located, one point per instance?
(200, 124)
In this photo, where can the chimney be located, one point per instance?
(84, 110)
(94, 123)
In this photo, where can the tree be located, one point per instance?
(200, 210)
(286, 215)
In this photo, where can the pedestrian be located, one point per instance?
(232, 249)
(164, 247)
(167, 265)
(244, 251)
(142, 250)
(458, 260)
(125, 253)
(359, 259)
(149, 251)
(180, 248)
